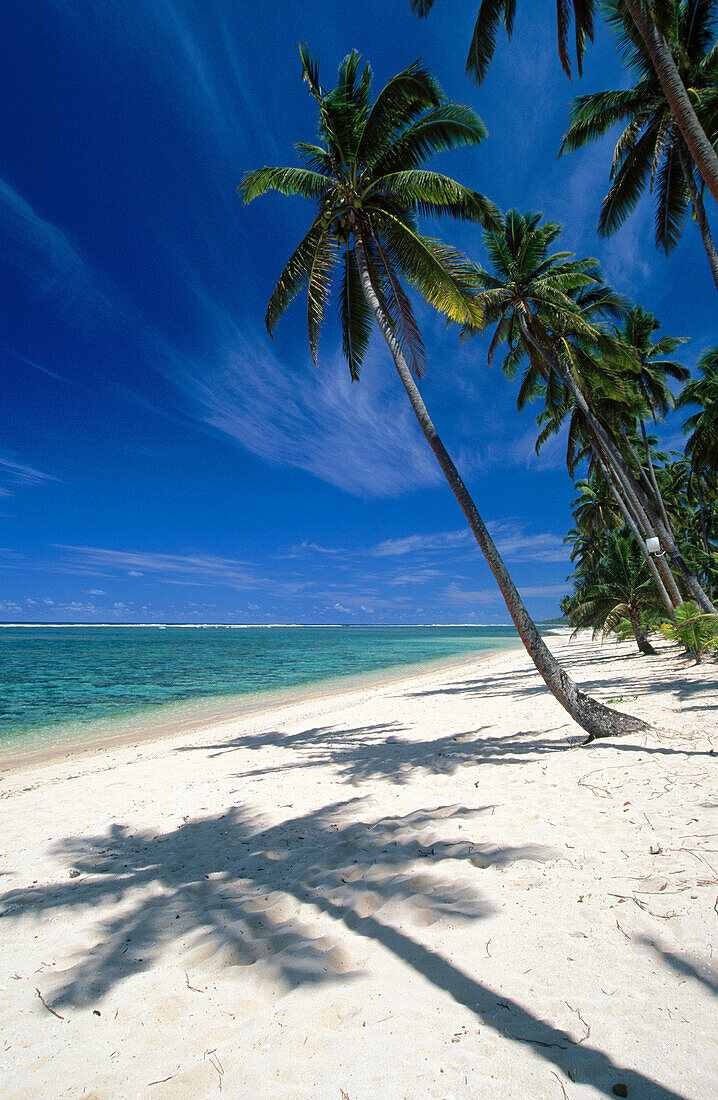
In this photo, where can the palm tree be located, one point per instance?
(651, 19)
(369, 184)
(532, 299)
(618, 587)
(702, 444)
(651, 384)
(651, 149)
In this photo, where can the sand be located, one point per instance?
(423, 889)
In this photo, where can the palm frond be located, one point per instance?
(399, 103)
(355, 316)
(300, 182)
(319, 281)
(445, 127)
(406, 330)
(440, 273)
(294, 276)
(432, 193)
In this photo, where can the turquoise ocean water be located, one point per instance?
(73, 684)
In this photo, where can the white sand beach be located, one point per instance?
(422, 889)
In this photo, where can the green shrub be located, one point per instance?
(697, 631)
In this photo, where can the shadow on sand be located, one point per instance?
(255, 891)
(378, 752)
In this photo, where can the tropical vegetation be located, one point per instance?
(367, 179)
(643, 543)
(651, 151)
(652, 22)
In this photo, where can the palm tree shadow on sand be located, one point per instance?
(257, 891)
(367, 753)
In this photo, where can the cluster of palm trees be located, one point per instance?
(584, 352)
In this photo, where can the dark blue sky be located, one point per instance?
(160, 458)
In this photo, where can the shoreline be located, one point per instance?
(417, 888)
(157, 723)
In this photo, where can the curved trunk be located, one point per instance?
(699, 210)
(595, 718)
(704, 535)
(615, 460)
(644, 646)
(633, 528)
(654, 480)
(700, 148)
(642, 521)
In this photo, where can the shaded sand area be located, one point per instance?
(422, 890)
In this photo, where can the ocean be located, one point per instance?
(72, 684)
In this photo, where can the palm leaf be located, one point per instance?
(398, 307)
(319, 281)
(440, 273)
(445, 127)
(433, 193)
(355, 316)
(399, 103)
(671, 200)
(288, 181)
(294, 276)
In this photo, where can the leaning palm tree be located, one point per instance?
(651, 150)
(533, 298)
(618, 587)
(702, 444)
(652, 21)
(367, 179)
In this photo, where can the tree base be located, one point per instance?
(600, 721)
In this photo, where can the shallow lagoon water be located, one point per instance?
(78, 683)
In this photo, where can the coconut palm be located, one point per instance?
(493, 12)
(650, 382)
(618, 587)
(368, 182)
(532, 297)
(652, 22)
(651, 150)
(702, 444)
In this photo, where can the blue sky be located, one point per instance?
(161, 459)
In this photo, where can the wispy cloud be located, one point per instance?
(198, 568)
(510, 536)
(516, 545)
(414, 544)
(197, 63)
(361, 438)
(15, 474)
(49, 258)
(490, 595)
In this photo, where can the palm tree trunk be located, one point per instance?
(653, 492)
(704, 535)
(704, 156)
(654, 480)
(699, 211)
(595, 718)
(644, 646)
(651, 483)
(641, 542)
(639, 501)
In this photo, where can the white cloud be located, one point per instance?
(414, 544)
(15, 474)
(47, 256)
(515, 545)
(361, 438)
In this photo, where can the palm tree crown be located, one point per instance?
(493, 12)
(651, 151)
(702, 444)
(367, 178)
